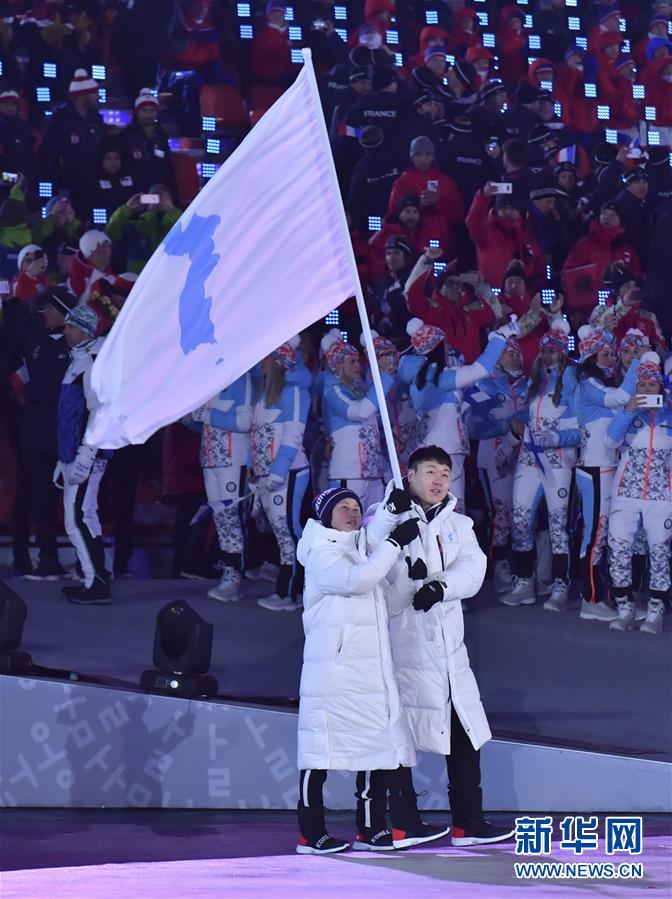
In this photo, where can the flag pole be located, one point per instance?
(359, 296)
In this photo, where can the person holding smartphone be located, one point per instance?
(642, 489)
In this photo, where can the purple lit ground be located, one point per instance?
(124, 855)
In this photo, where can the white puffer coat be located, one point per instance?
(430, 659)
(350, 716)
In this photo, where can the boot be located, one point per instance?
(655, 612)
(626, 615)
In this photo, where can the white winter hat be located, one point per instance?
(90, 240)
(29, 248)
(82, 83)
(146, 98)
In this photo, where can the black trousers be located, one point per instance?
(371, 792)
(123, 471)
(36, 496)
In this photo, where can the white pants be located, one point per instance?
(223, 487)
(624, 520)
(283, 510)
(528, 488)
(82, 525)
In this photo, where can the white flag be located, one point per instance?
(260, 254)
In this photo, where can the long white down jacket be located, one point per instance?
(430, 659)
(350, 716)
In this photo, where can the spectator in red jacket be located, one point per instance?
(31, 278)
(455, 303)
(607, 48)
(502, 234)
(271, 50)
(512, 44)
(438, 193)
(418, 224)
(615, 89)
(659, 91)
(583, 271)
(481, 59)
(658, 27)
(431, 36)
(93, 261)
(533, 315)
(466, 32)
(627, 299)
(609, 20)
(578, 111)
(542, 72)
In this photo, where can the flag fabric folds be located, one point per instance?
(260, 254)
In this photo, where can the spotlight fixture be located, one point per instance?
(182, 652)
(13, 613)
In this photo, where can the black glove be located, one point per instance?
(398, 501)
(428, 596)
(405, 533)
(417, 571)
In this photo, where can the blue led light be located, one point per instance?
(49, 70)
(102, 95)
(602, 297)
(488, 40)
(582, 43)
(653, 139)
(574, 23)
(611, 136)
(289, 14)
(333, 318)
(43, 94)
(342, 33)
(603, 112)
(375, 223)
(208, 169)
(98, 73)
(590, 90)
(45, 189)
(344, 335)
(557, 109)
(213, 145)
(528, 21)
(340, 13)
(296, 55)
(431, 17)
(534, 42)
(650, 113)
(638, 92)
(439, 267)
(483, 19)
(243, 10)
(208, 123)
(391, 37)
(100, 216)
(398, 59)
(295, 33)
(246, 32)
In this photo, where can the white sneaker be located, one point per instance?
(275, 603)
(655, 612)
(626, 616)
(229, 588)
(557, 601)
(502, 576)
(597, 611)
(522, 593)
(265, 572)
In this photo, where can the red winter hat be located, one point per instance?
(82, 83)
(478, 52)
(376, 7)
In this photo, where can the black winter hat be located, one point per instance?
(423, 78)
(539, 134)
(383, 77)
(493, 86)
(359, 73)
(526, 93)
(616, 275)
(461, 124)
(465, 72)
(397, 242)
(326, 502)
(60, 298)
(406, 200)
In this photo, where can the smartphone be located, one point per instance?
(634, 153)
(650, 400)
(433, 186)
(492, 146)
(10, 177)
(4, 287)
(547, 296)
(150, 199)
(502, 187)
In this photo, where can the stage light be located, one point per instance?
(13, 614)
(182, 653)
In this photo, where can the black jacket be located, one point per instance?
(46, 358)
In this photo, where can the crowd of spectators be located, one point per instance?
(522, 149)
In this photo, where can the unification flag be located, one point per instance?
(261, 253)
